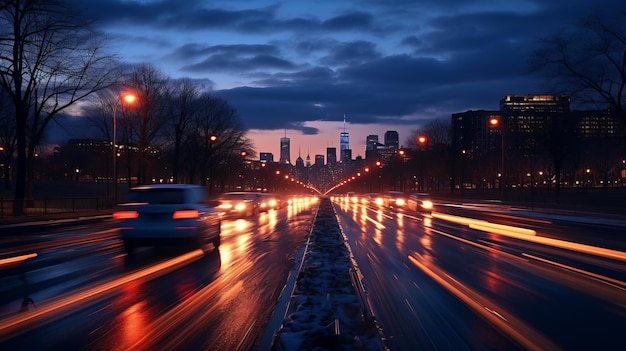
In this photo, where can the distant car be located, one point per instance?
(269, 202)
(239, 204)
(352, 197)
(420, 202)
(396, 199)
(375, 199)
(168, 214)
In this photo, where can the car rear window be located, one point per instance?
(157, 196)
(236, 197)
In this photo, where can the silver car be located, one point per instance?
(168, 214)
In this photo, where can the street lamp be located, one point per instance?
(494, 122)
(421, 142)
(128, 98)
(243, 168)
(212, 140)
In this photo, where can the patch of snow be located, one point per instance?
(327, 310)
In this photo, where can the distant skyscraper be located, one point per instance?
(299, 160)
(344, 143)
(391, 139)
(319, 160)
(331, 155)
(308, 159)
(285, 150)
(371, 147)
(535, 103)
(266, 157)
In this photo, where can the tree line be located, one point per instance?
(51, 59)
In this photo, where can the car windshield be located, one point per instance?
(158, 196)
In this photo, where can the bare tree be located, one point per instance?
(184, 105)
(7, 135)
(588, 62)
(217, 118)
(49, 60)
(143, 123)
(432, 155)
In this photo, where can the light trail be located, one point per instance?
(604, 279)
(517, 330)
(24, 322)
(16, 259)
(530, 235)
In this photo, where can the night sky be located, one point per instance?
(300, 66)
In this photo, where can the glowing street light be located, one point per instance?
(129, 99)
(212, 140)
(496, 122)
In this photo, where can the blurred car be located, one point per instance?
(352, 197)
(375, 199)
(239, 204)
(420, 202)
(269, 202)
(168, 214)
(396, 199)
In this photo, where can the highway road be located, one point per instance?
(480, 277)
(462, 277)
(81, 291)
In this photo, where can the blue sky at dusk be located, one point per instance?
(300, 66)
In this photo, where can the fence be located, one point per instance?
(55, 205)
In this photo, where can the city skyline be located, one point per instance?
(302, 66)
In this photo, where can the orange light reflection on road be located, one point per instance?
(400, 232)
(16, 259)
(530, 235)
(502, 229)
(528, 337)
(49, 311)
(588, 249)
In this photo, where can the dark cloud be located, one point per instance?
(351, 53)
(349, 21)
(202, 15)
(229, 63)
(398, 62)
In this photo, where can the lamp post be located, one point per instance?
(212, 139)
(402, 154)
(494, 122)
(421, 142)
(243, 168)
(128, 98)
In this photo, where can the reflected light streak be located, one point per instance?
(134, 322)
(378, 224)
(614, 282)
(16, 259)
(525, 335)
(502, 229)
(568, 245)
(400, 232)
(63, 305)
(428, 222)
(530, 235)
(273, 220)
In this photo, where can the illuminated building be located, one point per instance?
(344, 144)
(285, 150)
